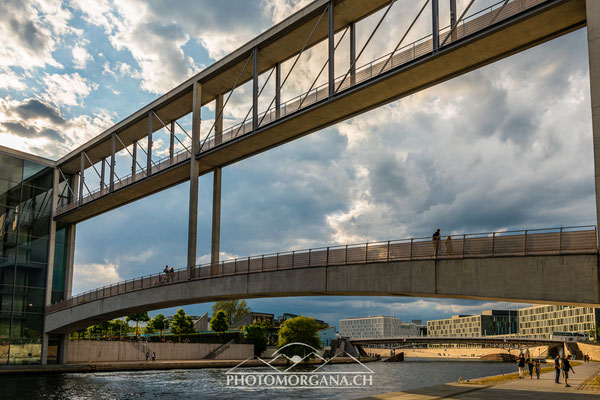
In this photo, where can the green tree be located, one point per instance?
(120, 327)
(299, 330)
(159, 323)
(218, 323)
(258, 335)
(137, 318)
(234, 309)
(182, 323)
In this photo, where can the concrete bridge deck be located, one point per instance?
(558, 266)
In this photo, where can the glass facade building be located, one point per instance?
(489, 323)
(25, 223)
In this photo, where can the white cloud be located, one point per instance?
(80, 57)
(66, 89)
(223, 256)
(94, 275)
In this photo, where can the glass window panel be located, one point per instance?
(58, 279)
(6, 298)
(31, 274)
(10, 194)
(61, 233)
(27, 300)
(36, 200)
(60, 255)
(8, 246)
(33, 171)
(33, 250)
(8, 220)
(7, 271)
(12, 168)
(26, 326)
(34, 224)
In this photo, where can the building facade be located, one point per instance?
(542, 321)
(326, 336)
(377, 327)
(488, 323)
(34, 256)
(253, 318)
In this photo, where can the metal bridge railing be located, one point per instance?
(535, 242)
(422, 47)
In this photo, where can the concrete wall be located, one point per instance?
(566, 279)
(593, 350)
(82, 351)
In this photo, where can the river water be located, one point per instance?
(211, 383)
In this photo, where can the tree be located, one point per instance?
(258, 335)
(218, 323)
(137, 318)
(182, 323)
(120, 327)
(159, 323)
(234, 309)
(299, 330)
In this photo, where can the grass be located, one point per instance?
(499, 379)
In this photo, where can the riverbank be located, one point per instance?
(153, 365)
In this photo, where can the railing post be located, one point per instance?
(309, 255)
(493, 242)
(346, 256)
(293, 258)
(366, 253)
(463, 244)
(277, 265)
(327, 257)
(387, 258)
(525, 244)
(560, 241)
(411, 250)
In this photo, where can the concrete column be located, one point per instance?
(63, 349)
(353, 53)
(111, 182)
(81, 176)
(172, 141)
(435, 24)
(278, 90)
(593, 29)
(219, 121)
(50, 268)
(70, 261)
(149, 166)
(194, 171)
(216, 221)
(255, 89)
(331, 40)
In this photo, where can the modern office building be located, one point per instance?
(34, 255)
(488, 323)
(542, 321)
(327, 335)
(287, 316)
(376, 327)
(253, 318)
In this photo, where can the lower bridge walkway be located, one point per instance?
(557, 265)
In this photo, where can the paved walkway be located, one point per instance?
(544, 388)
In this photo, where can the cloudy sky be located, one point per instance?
(508, 146)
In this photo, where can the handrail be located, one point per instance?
(515, 243)
(410, 52)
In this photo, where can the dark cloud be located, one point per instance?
(33, 108)
(19, 129)
(29, 34)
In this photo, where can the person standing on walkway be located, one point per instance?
(521, 365)
(147, 356)
(557, 368)
(448, 244)
(435, 241)
(166, 272)
(538, 368)
(153, 356)
(530, 365)
(566, 367)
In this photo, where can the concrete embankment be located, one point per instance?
(153, 365)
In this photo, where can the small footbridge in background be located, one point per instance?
(558, 265)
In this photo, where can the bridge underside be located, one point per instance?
(561, 279)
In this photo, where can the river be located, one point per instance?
(211, 383)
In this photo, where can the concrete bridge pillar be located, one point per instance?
(593, 28)
(194, 175)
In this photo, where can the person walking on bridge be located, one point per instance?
(435, 241)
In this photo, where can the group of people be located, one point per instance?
(435, 240)
(169, 274)
(560, 365)
(153, 356)
(531, 364)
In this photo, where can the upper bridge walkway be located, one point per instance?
(558, 265)
(471, 42)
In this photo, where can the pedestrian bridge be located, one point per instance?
(417, 341)
(558, 266)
